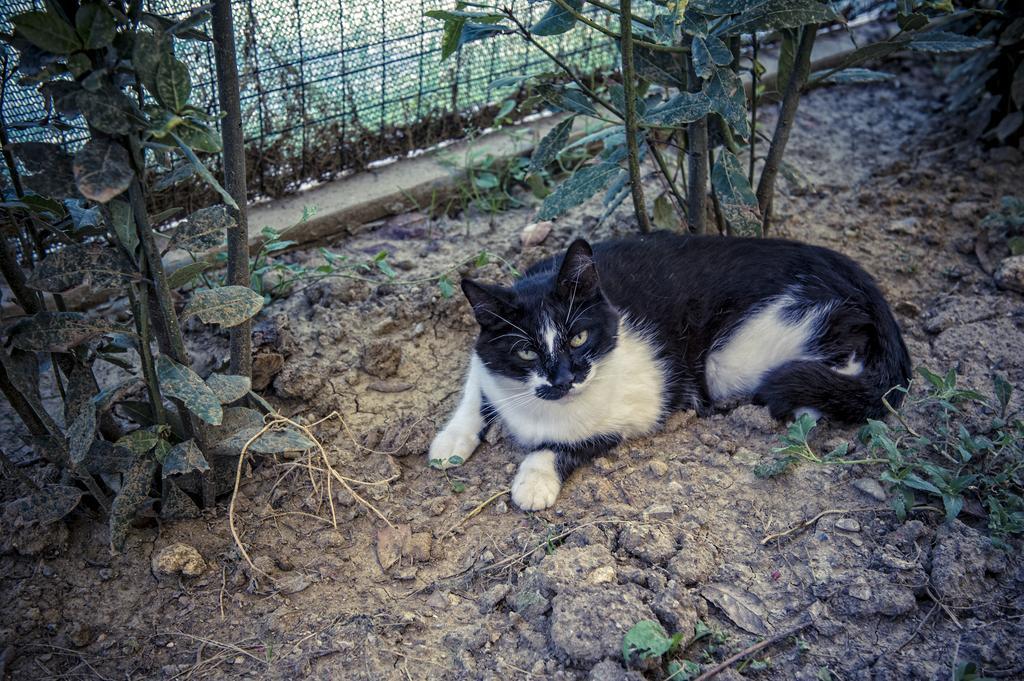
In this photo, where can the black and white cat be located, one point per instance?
(601, 344)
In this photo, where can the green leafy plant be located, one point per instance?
(81, 220)
(970, 448)
(679, 99)
(990, 84)
(647, 640)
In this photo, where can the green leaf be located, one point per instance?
(646, 639)
(735, 196)
(703, 62)
(200, 137)
(684, 107)
(236, 419)
(184, 458)
(46, 31)
(143, 440)
(569, 99)
(473, 32)
(133, 494)
(915, 481)
(108, 110)
(1004, 392)
(665, 216)
(173, 83)
(124, 225)
(81, 433)
(944, 42)
(855, 76)
(185, 274)
(183, 383)
(146, 54)
(204, 229)
(551, 144)
(95, 25)
(102, 267)
(557, 20)
(229, 388)
(769, 15)
(58, 331)
(102, 170)
(720, 52)
(582, 185)
(270, 442)
(728, 99)
(385, 267)
(775, 467)
(203, 171)
(657, 67)
(227, 305)
(445, 284)
(953, 503)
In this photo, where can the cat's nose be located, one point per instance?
(563, 378)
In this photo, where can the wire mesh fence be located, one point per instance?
(331, 86)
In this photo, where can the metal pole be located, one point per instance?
(234, 174)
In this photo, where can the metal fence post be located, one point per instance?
(234, 174)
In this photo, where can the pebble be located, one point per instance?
(501, 507)
(904, 226)
(848, 525)
(870, 487)
(492, 597)
(178, 559)
(659, 468)
(861, 593)
(660, 512)
(438, 600)
(1010, 275)
(602, 575)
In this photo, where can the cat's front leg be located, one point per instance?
(459, 439)
(541, 474)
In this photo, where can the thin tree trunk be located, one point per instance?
(787, 112)
(697, 160)
(234, 175)
(629, 92)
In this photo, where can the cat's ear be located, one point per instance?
(490, 303)
(577, 278)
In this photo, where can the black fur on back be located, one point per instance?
(689, 292)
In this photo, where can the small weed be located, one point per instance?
(647, 640)
(970, 448)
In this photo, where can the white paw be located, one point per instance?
(536, 484)
(452, 447)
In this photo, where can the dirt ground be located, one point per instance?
(669, 527)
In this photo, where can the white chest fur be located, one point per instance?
(624, 395)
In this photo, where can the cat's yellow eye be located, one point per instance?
(527, 355)
(579, 339)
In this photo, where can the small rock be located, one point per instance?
(438, 600)
(490, 598)
(265, 565)
(659, 512)
(653, 544)
(1010, 275)
(848, 525)
(178, 559)
(265, 366)
(907, 308)
(870, 487)
(602, 575)
(588, 625)
(609, 670)
(535, 233)
(659, 468)
(905, 226)
(861, 593)
(79, 634)
(501, 506)
(1005, 155)
(419, 547)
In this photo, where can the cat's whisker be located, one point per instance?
(509, 323)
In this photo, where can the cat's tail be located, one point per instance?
(815, 385)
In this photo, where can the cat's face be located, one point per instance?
(550, 330)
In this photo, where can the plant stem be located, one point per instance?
(629, 94)
(753, 110)
(614, 10)
(787, 112)
(140, 311)
(669, 178)
(697, 160)
(234, 175)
